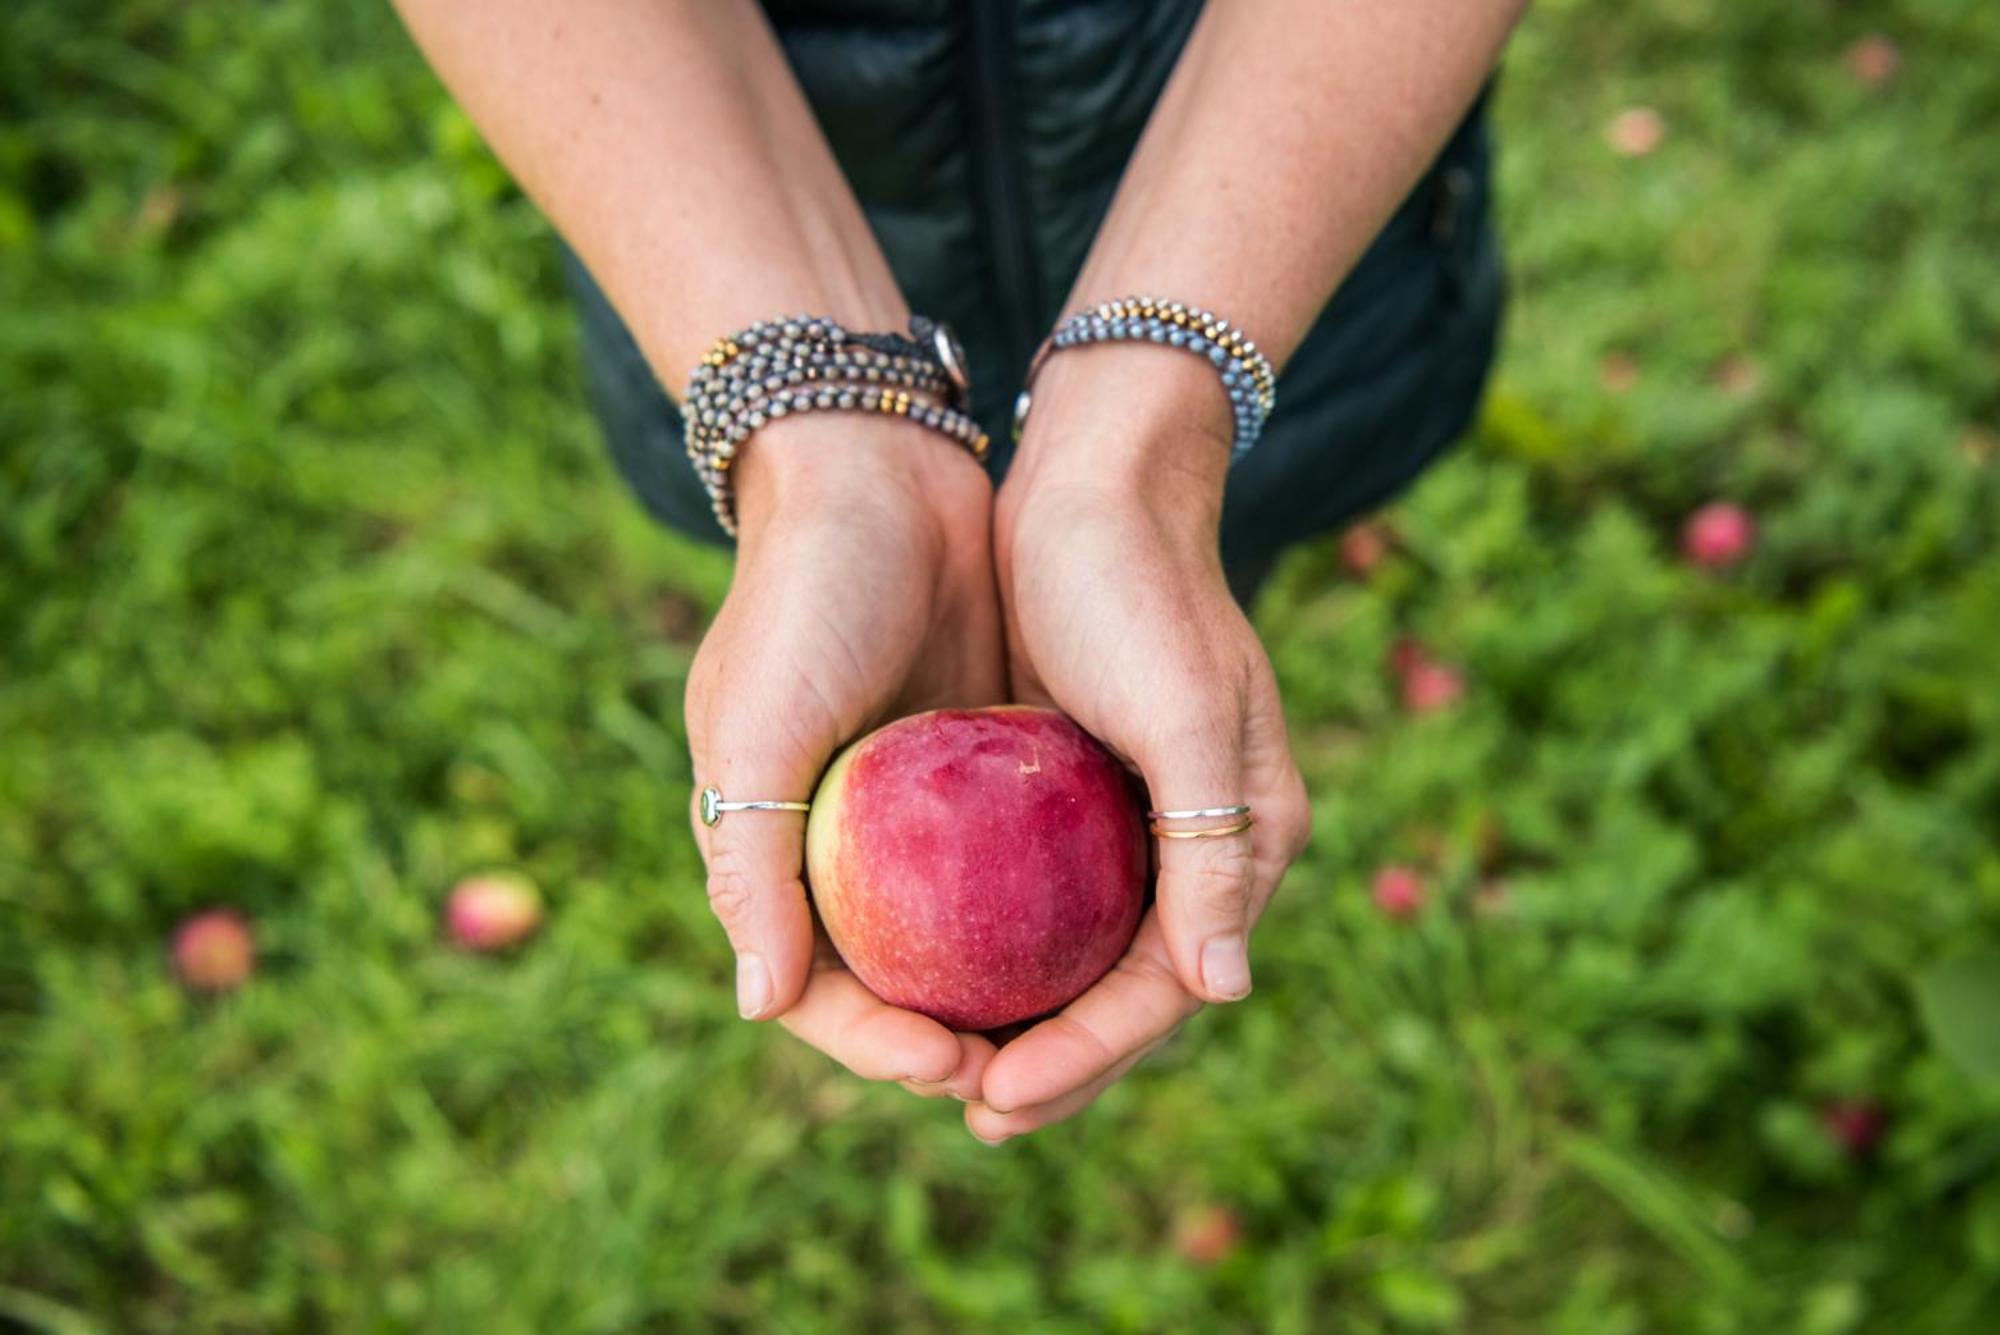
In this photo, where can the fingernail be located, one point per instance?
(998, 1140)
(1225, 967)
(753, 984)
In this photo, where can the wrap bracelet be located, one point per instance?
(806, 363)
(1247, 377)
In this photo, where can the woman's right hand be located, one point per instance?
(863, 591)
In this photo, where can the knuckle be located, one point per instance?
(1202, 727)
(1218, 884)
(731, 891)
(1294, 818)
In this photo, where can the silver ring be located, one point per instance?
(1199, 813)
(713, 807)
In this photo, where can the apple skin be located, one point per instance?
(980, 866)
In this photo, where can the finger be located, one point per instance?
(962, 1084)
(1205, 885)
(871, 1038)
(997, 1127)
(1275, 790)
(1131, 1008)
(756, 859)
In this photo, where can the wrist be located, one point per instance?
(1136, 423)
(884, 470)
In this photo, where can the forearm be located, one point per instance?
(1288, 134)
(669, 143)
(1290, 131)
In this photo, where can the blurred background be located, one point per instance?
(1642, 975)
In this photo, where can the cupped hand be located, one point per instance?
(863, 591)
(1118, 613)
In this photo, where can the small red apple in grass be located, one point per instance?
(1398, 891)
(1206, 1234)
(1431, 687)
(1362, 548)
(1428, 686)
(980, 866)
(1737, 375)
(1406, 653)
(493, 911)
(1618, 372)
(214, 951)
(1635, 132)
(1718, 535)
(1856, 1125)
(1873, 60)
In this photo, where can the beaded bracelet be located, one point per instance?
(1247, 376)
(804, 363)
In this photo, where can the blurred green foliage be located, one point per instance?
(315, 592)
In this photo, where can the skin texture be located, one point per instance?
(867, 572)
(980, 867)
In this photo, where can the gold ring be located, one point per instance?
(1216, 833)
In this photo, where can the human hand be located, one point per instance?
(1118, 613)
(863, 591)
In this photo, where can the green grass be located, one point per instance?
(315, 591)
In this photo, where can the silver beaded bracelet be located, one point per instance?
(1246, 373)
(811, 364)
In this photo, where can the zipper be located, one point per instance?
(990, 39)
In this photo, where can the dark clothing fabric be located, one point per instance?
(985, 139)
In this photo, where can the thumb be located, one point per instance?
(756, 861)
(1205, 884)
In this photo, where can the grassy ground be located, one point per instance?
(315, 591)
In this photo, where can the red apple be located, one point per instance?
(1635, 132)
(1406, 653)
(214, 951)
(1429, 688)
(1206, 1234)
(980, 866)
(493, 911)
(1854, 1124)
(1618, 372)
(1873, 60)
(1738, 375)
(1362, 548)
(1398, 891)
(1718, 535)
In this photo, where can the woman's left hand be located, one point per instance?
(1118, 613)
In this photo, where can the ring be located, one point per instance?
(713, 807)
(1216, 833)
(1198, 813)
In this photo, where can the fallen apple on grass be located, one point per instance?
(980, 866)
(493, 911)
(1718, 535)
(214, 951)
